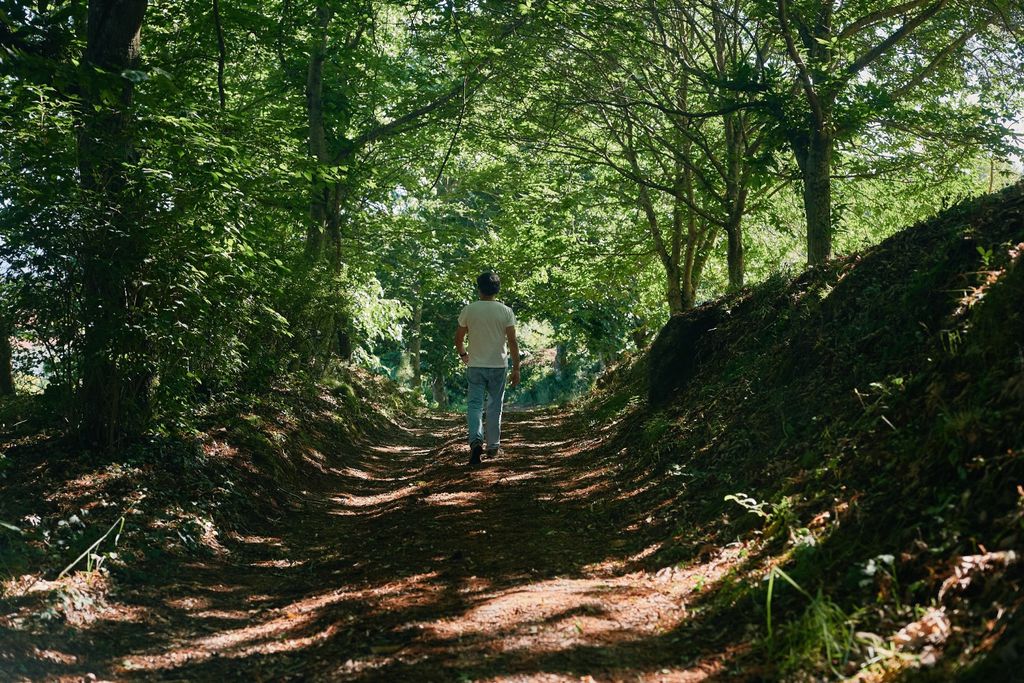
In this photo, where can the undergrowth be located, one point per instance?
(69, 515)
(860, 425)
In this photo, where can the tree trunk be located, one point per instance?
(559, 360)
(734, 255)
(343, 337)
(440, 394)
(415, 346)
(704, 249)
(668, 253)
(319, 200)
(6, 371)
(115, 381)
(674, 291)
(333, 231)
(735, 196)
(815, 160)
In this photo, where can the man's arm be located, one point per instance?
(513, 350)
(460, 346)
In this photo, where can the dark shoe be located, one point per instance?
(493, 453)
(474, 453)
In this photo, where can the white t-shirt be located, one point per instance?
(487, 321)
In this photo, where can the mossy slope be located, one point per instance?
(873, 407)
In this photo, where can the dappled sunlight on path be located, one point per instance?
(405, 564)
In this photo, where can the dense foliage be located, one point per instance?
(199, 198)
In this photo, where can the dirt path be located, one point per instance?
(406, 565)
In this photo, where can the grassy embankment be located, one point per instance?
(860, 429)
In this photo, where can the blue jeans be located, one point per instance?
(489, 381)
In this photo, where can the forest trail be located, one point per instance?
(407, 565)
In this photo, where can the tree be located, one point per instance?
(6, 369)
(256, 190)
(853, 62)
(115, 376)
(649, 91)
(732, 63)
(343, 130)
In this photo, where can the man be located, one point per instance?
(489, 324)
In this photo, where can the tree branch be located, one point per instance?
(801, 67)
(902, 32)
(451, 145)
(873, 18)
(919, 77)
(397, 126)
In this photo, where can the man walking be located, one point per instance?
(489, 325)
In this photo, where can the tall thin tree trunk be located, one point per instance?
(439, 392)
(320, 199)
(704, 248)
(327, 196)
(6, 370)
(416, 343)
(735, 197)
(682, 294)
(343, 338)
(690, 270)
(816, 167)
(559, 361)
(734, 253)
(115, 382)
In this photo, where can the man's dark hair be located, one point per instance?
(488, 283)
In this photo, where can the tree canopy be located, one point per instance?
(198, 198)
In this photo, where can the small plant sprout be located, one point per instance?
(986, 257)
(752, 505)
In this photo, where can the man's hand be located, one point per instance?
(460, 339)
(513, 351)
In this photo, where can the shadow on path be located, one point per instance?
(405, 564)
